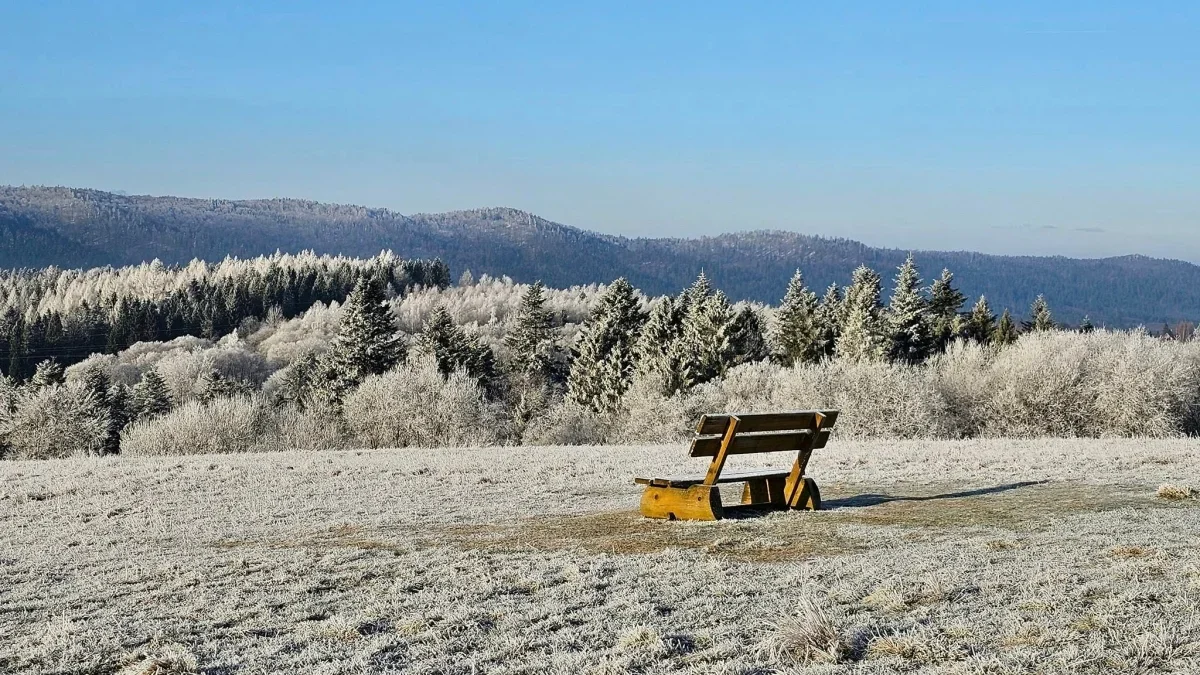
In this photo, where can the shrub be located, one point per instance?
(568, 423)
(55, 421)
(237, 424)
(414, 405)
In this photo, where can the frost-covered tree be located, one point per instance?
(54, 421)
(706, 339)
(48, 372)
(1006, 330)
(862, 334)
(367, 342)
(214, 385)
(908, 322)
(453, 349)
(150, 396)
(658, 353)
(1086, 326)
(1040, 318)
(981, 324)
(604, 361)
(945, 305)
(797, 334)
(747, 341)
(532, 342)
(120, 413)
(829, 320)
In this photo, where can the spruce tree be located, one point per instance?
(367, 342)
(747, 341)
(150, 396)
(1086, 326)
(120, 412)
(945, 304)
(862, 331)
(534, 351)
(48, 373)
(298, 383)
(603, 366)
(706, 338)
(1006, 330)
(1040, 317)
(659, 350)
(982, 323)
(829, 321)
(454, 349)
(908, 317)
(214, 385)
(797, 336)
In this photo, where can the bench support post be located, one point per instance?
(798, 489)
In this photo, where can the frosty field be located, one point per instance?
(991, 556)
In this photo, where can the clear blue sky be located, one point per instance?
(1010, 127)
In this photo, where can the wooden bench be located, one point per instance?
(719, 436)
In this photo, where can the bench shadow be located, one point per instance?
(875, 499)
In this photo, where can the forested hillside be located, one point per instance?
(87, 228)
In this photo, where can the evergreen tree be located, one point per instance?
(659, 349)
(532, 342)
(1040, 317)
(982, 323)
(747, 342)
(367, 342)
(603, 364)
(829, 321)
(1006, 330)
(798, 331)
(150, 396)
(945, 304)
(1086, 325)
(120, 413)
(706, 336)
(214, 385)
(454, 349)
(862, 332)
(908, 321)
(299, 379)
(48, 373)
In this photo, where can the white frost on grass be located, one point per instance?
(526, 560)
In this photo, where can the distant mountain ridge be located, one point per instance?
(69, 227)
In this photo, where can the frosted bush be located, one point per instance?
(316, 428)
(568, 423)
(748, 388)
(53, 422)
(963, 376)
(236, 424)
(646, 416)
(876, 400)
(413, 405)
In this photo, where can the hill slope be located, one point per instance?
(85, 228)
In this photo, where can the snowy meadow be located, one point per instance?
(982, 556)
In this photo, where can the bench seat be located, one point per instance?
(688, 481)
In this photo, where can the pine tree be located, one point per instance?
(1006, 330)
(1086, 326)
(747, 342)
(367, 342)
(1040, 317)
(531, 343)
(454, 349)
(48, 373)
(706, 338)
(982, 323)
(659, 350)
(907, 318)
(603, 366)
(862, 332)
(797, 336)
(150, 396)
(120, 413)
(829, 320)
(299, 381)
(214, 385)
(945, 304)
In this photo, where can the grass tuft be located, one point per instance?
(812, 635)
(1175, 493)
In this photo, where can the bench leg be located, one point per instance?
(698, 502)
(765, 492)
(809, 497)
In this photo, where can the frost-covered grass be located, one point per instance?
(996, 556)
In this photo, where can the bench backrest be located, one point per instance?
(763, 432)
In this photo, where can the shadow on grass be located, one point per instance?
(875, 499)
